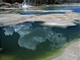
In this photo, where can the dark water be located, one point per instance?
(73, 8)
(31, 41)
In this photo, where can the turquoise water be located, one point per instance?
(39, 13)
(73, 8)
(31, 41)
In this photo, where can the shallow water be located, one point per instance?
(39, 13)
(31, 41)
(73, 8)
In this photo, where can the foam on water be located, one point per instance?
(9, 31)
(23, 27)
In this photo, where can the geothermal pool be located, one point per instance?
(40, 13)
(73, 8)
(48, 9)
(32, 41)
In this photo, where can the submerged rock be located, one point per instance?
(1, 49)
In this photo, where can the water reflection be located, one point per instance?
(30, 41)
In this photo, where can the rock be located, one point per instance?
(77, 21)
(16, 3)
(2, 3)
(8, 4)
(1, 49)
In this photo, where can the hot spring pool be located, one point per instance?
(31, 41)
(40, 13)
(75, 9)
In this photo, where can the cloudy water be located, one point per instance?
(31, 41)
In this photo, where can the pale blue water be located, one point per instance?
(73, 8)
(39, 13)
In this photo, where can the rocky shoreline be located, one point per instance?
(68, 19)
(1, 49)
(17, 4)
(71, 52)
(9, 5)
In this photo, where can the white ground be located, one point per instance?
(72, 52)
(50, 19)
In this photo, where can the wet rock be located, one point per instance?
(16, 3)
(2, 3)
(77, 21)
(7, 5)
(1, 24)
(1, 49)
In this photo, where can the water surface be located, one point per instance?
(73, 8)
(31, 41)
(39, 13)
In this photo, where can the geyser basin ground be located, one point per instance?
(31, 41)
(67, 19)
